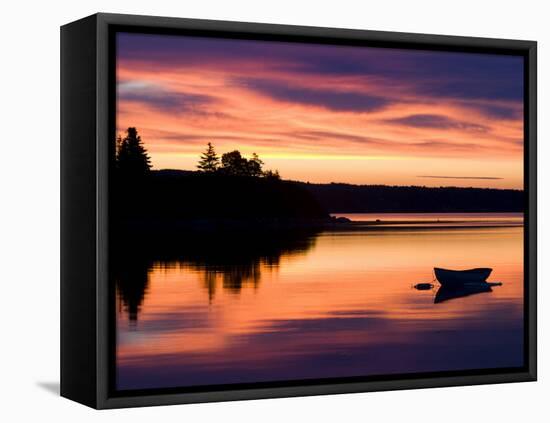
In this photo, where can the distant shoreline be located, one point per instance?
(338, 198)
(423, 224)
(478, 220)
(175, 172)
(243, 226)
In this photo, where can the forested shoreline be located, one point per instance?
(232, 187)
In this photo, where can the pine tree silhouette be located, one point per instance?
(209, 161)
(255, 165)
(132, 158)
(234, 164)
(272, 174)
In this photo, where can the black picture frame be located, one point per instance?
(87, 128)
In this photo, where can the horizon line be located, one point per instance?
(373, 184)
(459, 177)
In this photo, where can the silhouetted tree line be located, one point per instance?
(231, 187)
(167, 195)
(233, 163)
(235, 187)
(347, 198)
(132, 160)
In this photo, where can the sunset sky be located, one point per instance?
(323, 113)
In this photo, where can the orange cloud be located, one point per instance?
(319, 126)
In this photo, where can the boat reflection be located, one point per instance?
(445, 293)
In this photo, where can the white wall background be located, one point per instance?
(29, 209)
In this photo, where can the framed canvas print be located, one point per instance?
(255, 211)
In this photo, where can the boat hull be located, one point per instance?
(458, 278)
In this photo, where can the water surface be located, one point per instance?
(328, 304)
(437, 219)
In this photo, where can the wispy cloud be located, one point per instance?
(432, 113)
(158, 97)
(499, 111)
(438, 73)
(329, 98)
(334, 135)
(437, 122)
(459, 177)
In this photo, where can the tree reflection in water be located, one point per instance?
(235, 259)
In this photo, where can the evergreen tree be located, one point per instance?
(209, 161)
(255, 165)
(132, 158)
(272, 174)
(118, 145)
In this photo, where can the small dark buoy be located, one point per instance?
(423, 286)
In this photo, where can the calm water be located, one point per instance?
(328, 304)
(438, 219)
